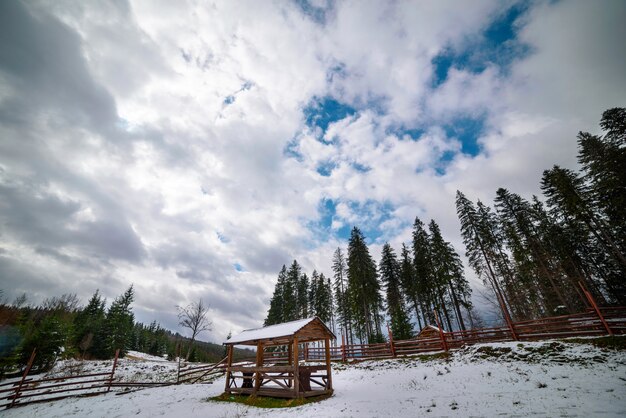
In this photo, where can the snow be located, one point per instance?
(272, 331)
(552, 378)
(136, 355)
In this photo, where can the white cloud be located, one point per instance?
(122, 160)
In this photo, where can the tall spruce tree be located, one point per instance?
(363, 288)
(290, 294)
(303, 296)
(342, 302)
(444, 272)
(422, 262)
(275, 315)
(88, 324)
(531, 255)
(119, 323)
(409, 283)
(389, 272)
(484, 250)
(603, 159)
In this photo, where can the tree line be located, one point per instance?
(534, 254)
(362, 296)
(60, 328)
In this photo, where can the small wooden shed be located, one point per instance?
(281, 376)
(429, 331)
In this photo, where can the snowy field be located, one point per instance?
(548, 379)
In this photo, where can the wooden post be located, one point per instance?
(28, 367)
(259, 364)
(229, 361)
(306, 352)
(343, 348)
(441, 334)
(117, 354)
(592, 301)
(391, 345)
(178, 357)
(296, 368)
(329, 378)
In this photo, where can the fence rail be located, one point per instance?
(28, 390)
(609, 320)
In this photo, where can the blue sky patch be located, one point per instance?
(497, 45)
(291, 149)
(315, 13)
(326, 168)
(374, 212)
(443, 162)
(467, 130)
(247, 85)
(401, 132)
(321, 112)
(361, 168)
(222, 238)
(238, 267)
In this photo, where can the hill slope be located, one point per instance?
(553, 378)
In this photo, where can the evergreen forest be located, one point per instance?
(61, 328)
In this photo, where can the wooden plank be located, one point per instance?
(259, 363)
(328, 366)
(296, 367)
(28, 367)
(229, 361)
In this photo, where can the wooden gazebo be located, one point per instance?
(277, 371)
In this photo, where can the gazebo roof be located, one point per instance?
(306, 330)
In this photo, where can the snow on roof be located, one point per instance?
(272, 331)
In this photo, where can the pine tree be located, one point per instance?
(409, 283)
(422, 262)
(321, 297)
(603, 160)
(119, 323)
(482, 248)
(442, 272)
(48, 337)
(303, 297)
(275, 314)
(363, 288)
(389, 271)
(290, 294)
(88, 326)
(342, 302)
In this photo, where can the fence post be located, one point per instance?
(343, 348)
(117, 354)
(441, 334)
(28, 367)
(391, 344)
(595, 307)
(178, 357)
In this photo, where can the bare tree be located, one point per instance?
(194, 317)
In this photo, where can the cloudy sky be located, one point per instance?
(193, 148)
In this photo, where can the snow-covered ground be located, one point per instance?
(548, 379)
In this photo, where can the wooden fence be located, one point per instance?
(594, 322)
(28, 390)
